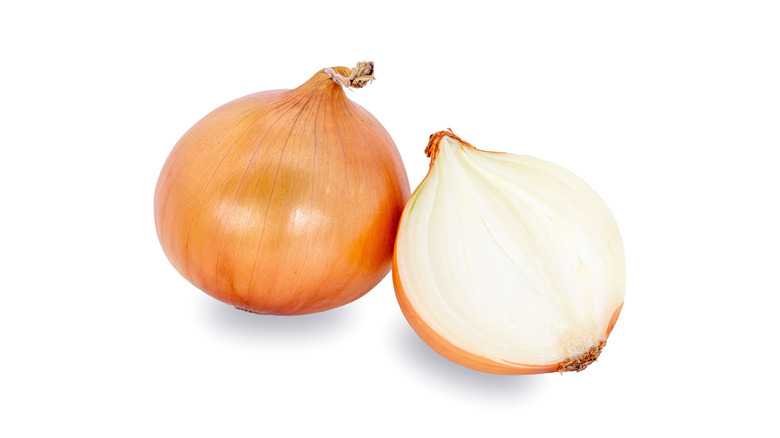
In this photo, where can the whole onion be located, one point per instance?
(284, 202)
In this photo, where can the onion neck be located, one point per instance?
(336, 78)
(434, 143)
(358, 77)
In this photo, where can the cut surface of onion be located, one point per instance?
(284, 202)
(508, 264)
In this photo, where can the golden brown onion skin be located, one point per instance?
(283, 202)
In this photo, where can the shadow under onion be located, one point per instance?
(452, 376)
(283, 330)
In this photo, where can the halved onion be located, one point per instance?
(508, 264)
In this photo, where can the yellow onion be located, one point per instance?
(284, 202)
(508, 264)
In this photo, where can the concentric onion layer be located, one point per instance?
(283, 202)
(508, 264)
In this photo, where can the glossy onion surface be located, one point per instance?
(283, 202)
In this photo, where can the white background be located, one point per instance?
(669, 109)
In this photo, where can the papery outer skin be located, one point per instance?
(283, 202)
(438, 341)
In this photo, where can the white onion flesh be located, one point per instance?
(509, 258)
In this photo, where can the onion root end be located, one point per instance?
(580, 363)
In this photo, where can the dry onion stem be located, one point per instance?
(285, 201)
